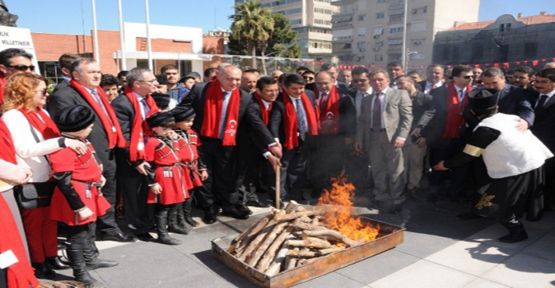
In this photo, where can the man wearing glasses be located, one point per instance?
(13, 60)
(443, 134)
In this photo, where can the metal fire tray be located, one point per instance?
(389, 237)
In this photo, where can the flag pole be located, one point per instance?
(148, 42)
(123, 58)
(95, 33)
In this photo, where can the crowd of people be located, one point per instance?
(151, 147)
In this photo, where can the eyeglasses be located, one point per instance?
(360, 80)
(22, 67)
(466, 77)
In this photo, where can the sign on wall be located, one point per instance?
(14, 37)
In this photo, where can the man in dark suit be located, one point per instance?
(222, 112)
(356, 164)
(544, 126)
(332, 70)
(65, 62)
(293, 122)
(132, 108)
(257, 166)
(435, 74)
(444, 132)
(510, 100)
(385, 124)
(83, 89)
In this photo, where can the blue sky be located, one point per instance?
(75, 16)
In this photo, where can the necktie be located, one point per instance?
(96, 97)
(301, 119)
(461, 95)
(323, 100)
(145, 107)
(542, 101)
(377, 113)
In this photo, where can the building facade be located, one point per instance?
(371, 31)
(506, 39)
(185, 47)
(312, 21)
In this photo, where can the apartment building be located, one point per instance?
(371, 31)
(312, 21)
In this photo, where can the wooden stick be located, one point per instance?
(332, 234)
(271, 254)
(278, 185)
(311, 242)
(270, 238)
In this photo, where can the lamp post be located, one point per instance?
(404, 48)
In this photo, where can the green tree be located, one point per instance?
(282, 41)
(252, 26)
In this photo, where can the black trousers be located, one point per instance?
(293, 171)
(107, 223)
(444, 150)
(325, 161)
(222, 165)
(134, 187)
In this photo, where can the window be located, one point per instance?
(394, 30)
(361, 17)
(378, 31)
(502, 28)
(530, 49)
(378, 57)
(380, 15)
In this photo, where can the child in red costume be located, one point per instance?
(167, 185)
(77, 201)
(195, 171)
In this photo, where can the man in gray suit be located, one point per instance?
(382, 130)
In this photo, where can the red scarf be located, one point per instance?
(42, 122)
(140, 128)
(265, 113)
(19, 274)
(212, 113)
(455, 111)
(290, 121)
(328, 112)
(7, 153)
(109, 122)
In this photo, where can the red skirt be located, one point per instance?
(173, 186)
(62, 212)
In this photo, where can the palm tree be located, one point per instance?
(252, 25)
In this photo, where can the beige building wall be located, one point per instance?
(377, 28)
(312, 21)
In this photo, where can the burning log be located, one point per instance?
(297, 235)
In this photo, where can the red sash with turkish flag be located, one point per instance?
(264, 113)
(140, 128)
(290, 121)
(109, 122)
(328, 112)
(455, 109)
(40, 120)
(213, 103)
(7, 153)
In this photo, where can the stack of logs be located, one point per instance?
(288, 238)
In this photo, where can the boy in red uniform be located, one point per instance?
(77, 201)
(193, 169)
(167, 188)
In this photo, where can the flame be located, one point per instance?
(340, 218)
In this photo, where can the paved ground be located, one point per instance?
(439, 251)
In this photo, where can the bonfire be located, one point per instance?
(298, 235)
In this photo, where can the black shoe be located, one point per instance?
(87, 279)
(118, 237)
(164, 238)
(514, 237)
(145, 237)
(191, 221)
(179, 229)
(42, 271)
(244, 209)
(256, 203)
(234, 212)
(55, 263)
(100, 263)
(210, 215)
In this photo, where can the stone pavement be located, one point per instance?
(439, 251)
